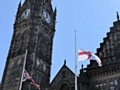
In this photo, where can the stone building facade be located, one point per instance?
(34, 30)
(107, 77)
(94, 77)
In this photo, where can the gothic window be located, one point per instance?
(17, 43)
(24, 41)
(38, 79)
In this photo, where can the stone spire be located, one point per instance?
(55, 11)
(19, 4)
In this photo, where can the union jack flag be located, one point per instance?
(26, 77)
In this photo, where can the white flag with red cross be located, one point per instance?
(87, 55)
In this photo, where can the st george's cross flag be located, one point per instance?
(26, 77)
(87, 55)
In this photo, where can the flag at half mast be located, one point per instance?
(26, 77)
(87, 55)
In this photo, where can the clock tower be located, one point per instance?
(34, 30)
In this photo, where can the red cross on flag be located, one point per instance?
(87, 55)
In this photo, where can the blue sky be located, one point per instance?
(90, 18)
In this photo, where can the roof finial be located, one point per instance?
(117, 16)
(82, 66)
(65, 62)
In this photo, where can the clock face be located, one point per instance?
(46, 16)
(25, 14)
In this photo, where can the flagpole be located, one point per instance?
(23, 69)
(75, 64)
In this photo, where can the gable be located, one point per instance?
(65, 75)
